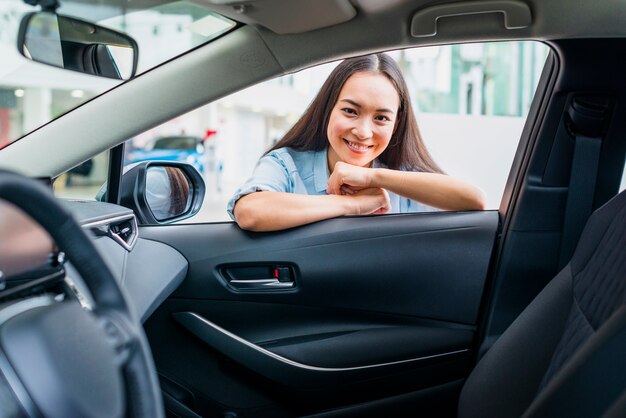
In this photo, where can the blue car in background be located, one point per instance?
(184, 148)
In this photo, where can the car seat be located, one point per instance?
(565, 355)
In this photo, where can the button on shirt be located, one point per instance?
(304, 172)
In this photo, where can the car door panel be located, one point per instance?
(434, 264)
(346, 322)
(314, 361)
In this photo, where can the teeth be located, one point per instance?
(357, 147)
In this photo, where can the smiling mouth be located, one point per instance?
(357, 147)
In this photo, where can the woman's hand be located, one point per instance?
(358, 184)
(347, 179)
(370, 201)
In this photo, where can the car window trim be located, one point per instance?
(116, 165)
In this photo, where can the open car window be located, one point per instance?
(471, 103)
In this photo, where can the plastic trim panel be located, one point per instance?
(287, 371)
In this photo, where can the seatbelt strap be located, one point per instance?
(588, 123)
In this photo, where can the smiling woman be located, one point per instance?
(355, 151)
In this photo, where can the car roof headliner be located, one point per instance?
(551, 19)
(253, 53)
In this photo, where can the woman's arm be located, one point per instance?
(273, 211)
(437, 190)
(433, 189)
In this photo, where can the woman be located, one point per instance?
(355, 151)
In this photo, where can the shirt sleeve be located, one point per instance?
(413, 206)
(270, 174)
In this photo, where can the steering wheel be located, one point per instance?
(59, 359)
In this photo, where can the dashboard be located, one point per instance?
(24, 244)
(147, 271)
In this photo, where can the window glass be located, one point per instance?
(85, 180)
(32, 94)
(471, 103)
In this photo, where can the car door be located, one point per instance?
(341, 311)
(353, 315)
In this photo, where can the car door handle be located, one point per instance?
(260, 284)
(260, 278)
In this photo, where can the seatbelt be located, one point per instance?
(586, 122)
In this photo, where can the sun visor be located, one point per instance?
(287, 16)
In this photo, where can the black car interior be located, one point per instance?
(61, 360)
(563, 356)
(513, 312)
(383, 282)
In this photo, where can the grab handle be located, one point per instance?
(516, 14)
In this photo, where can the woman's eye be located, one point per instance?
(349, 111)
(382, 118)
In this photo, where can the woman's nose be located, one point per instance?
(362, 130)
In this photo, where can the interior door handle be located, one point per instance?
(260, 278)
(259, 284)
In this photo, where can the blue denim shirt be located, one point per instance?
(304, 172)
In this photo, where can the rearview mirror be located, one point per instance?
(77, 45)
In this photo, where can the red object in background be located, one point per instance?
(5, 121)
(208, 134)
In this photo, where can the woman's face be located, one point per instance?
(363, 119)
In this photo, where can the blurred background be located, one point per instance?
(471, 102)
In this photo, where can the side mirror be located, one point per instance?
(77, 45)
(162, 192)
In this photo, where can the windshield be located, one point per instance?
(33, 94)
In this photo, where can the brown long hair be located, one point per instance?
(406, 150)
(179, 189)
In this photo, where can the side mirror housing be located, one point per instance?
(77, 45)
(162, 192)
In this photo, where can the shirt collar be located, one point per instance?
(378, 164)
(320, 170)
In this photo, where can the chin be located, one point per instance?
(359, 162)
